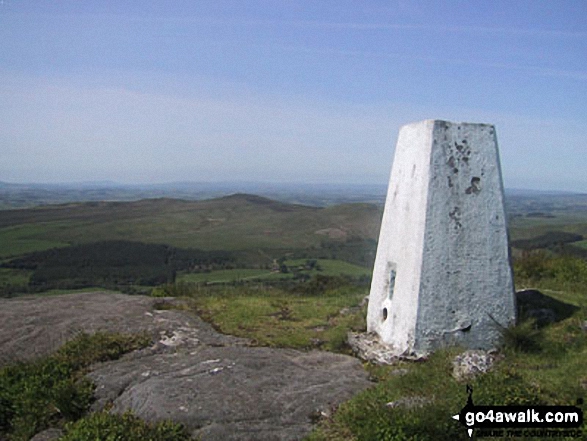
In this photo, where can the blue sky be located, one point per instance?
(285, 91)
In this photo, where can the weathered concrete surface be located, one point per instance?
(442, 273)
(217, 385)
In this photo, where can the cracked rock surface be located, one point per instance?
(217, 385)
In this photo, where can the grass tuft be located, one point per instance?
(522, 337)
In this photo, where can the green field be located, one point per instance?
(225, 276)
(255, 232)
(332, 267)
(328, 267)
(27, 238)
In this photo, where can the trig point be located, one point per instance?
(442, 273)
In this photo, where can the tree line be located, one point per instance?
(114, 264)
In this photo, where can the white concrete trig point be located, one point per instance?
(442, 273)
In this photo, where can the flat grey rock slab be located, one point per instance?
(232, 393)
(218, 386)
(35, 326)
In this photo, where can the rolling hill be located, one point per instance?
(237, 222)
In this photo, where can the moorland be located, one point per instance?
(294, 275)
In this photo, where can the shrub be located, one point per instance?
(113, 264)
(551, 240)
(320, 284)
(539, 265)
(533, 265)
(33, 395)
(179, 289)
(109, 427)
(86, 349)
(570, 269)
(36, 395)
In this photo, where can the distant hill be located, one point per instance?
(30, 195)
(319, 195)
(236, 222)
(545, 202)
(531, 193)
(304, 218)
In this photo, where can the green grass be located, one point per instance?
(540, 366)
(582, 244)
(52, 390)
(367, 417)
(276, 318)
(562, 277)
(27, 238)
(550, 375)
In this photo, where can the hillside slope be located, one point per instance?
(237, 222)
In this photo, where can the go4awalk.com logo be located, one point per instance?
(520, 421)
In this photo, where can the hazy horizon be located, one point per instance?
(285, 92)
(248, 185)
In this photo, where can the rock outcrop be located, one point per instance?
(218, 386)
